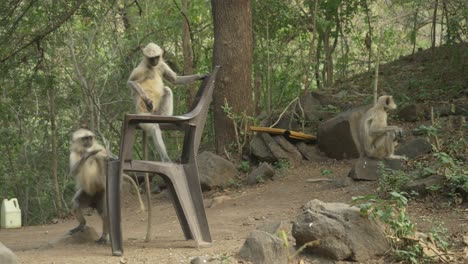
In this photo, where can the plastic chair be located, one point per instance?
(181, 178)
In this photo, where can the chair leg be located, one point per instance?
(113, 206)
(189, 205)
(179, 210)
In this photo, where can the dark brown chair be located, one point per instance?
(181, 177)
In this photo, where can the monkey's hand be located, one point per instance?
(149, 104)
(91, 153)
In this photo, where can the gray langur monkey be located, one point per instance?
(377, 136)
(149, 93)
(88, 168)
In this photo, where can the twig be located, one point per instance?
(284, 111)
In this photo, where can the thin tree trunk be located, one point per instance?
(268, 88)
(312, 44)
(187, 51)
(233, 51)
(54, 150)
(434, 20)
(369, 40)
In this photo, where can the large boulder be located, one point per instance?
(368, 169)
(421, 187)
(7, 256)
(338, 136)
(309, 152)
(414, 148)
(264, 248)
(342, 233)
(411, 112)
(214, 170)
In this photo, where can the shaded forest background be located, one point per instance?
(65, 63)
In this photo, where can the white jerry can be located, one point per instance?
(10, 214)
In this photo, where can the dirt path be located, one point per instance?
(230, 222)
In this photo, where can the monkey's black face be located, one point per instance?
(153, 61)
(87, 141)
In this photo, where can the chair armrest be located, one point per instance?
(149, 118)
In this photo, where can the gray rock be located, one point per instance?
(414, 148)
(7, 256)
(309, 152)
(287, 122)
(338, 137)
(411, 112)
(263, 248)
(215, 171)
(259, 149)
(205, 260)
(274, 228)
(342, 233)
(311, 107)
(294, 156)
(368, 169)
(421, 186)
(263, 171)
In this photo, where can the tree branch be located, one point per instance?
(47, 32)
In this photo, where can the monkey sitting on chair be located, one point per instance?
(149, 93)
(376, 136)
(88, 168)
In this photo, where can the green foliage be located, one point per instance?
(281, 164)
(244, 166)
(391, 180)
(408, 245)
(326, 172)
(454, 171)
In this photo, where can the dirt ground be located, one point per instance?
(230, 222)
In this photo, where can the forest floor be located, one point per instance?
(230, 221)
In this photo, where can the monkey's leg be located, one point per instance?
(159, 143)
(79, 201)
(101, 209)
(390, 146)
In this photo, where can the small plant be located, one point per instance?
(241, 122)
(326, 172)
(391, 180)
(233, 183)
(454, 171)
(281, 164)
(409, 245)
(244, 166)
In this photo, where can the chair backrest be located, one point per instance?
(201, 105)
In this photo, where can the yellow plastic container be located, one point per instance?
(10, 214)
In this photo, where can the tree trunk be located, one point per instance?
(233, 52)
(53, 129)
(434, 20)
(188, 54)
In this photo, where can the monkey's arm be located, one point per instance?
(75, 168)
(380, 131)
(136, 88)
(172, 77)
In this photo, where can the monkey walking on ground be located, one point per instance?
(88, 167)
(376, 136)
(149, 93)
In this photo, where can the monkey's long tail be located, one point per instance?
(128, 178)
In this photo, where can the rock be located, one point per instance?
(342, 233)
(264, 147)
(259, 149)
(218, 200)
(214, 170)
(311, 107)
(7, 256)
(338, 137)
(263, 248)
(368, 169)
(205, 260)
(309, 152)
(294, 156)
(262, 172)
(411, 112)
(415, 148)
(420, 186)
(273, 228)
